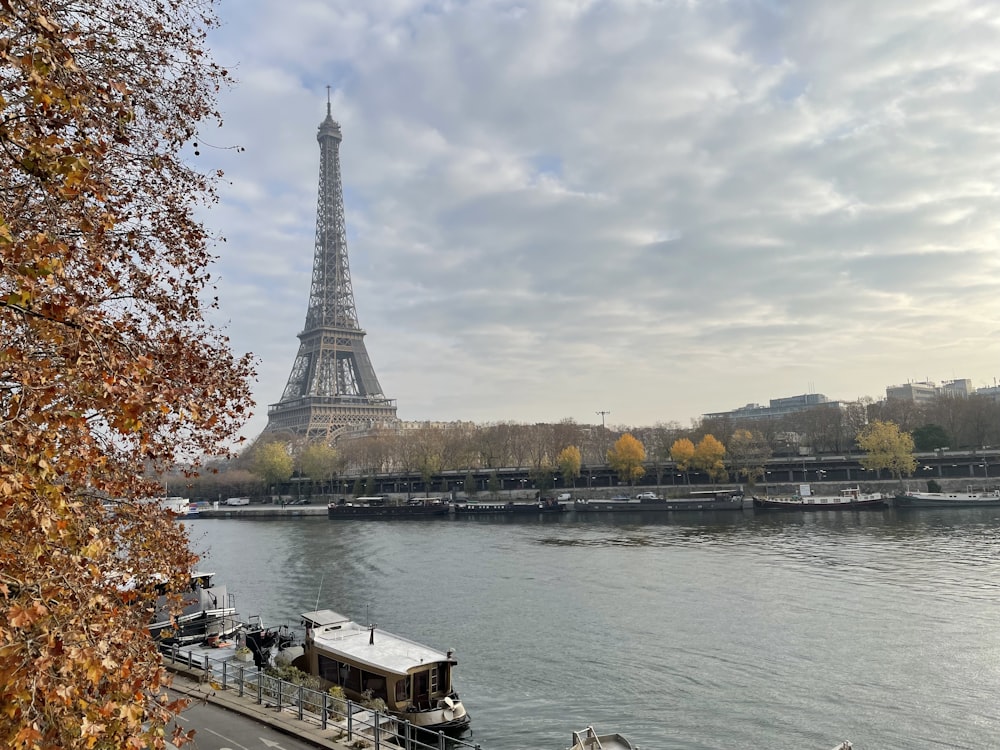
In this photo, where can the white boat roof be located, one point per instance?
(334, 633)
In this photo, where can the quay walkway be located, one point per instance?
(191, 683)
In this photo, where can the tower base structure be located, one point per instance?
(325, 416)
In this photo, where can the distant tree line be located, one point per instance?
(721, 449)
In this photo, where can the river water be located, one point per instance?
(681, 631)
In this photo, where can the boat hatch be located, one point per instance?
(323, 618)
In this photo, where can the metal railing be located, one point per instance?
(355, 721)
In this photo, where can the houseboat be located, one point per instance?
(414, 681)
(607, 505)
(207, 611)
(971, 498)
(717, 499)
(698, 500)
(851, 498)
(545, 505)
(378, 507)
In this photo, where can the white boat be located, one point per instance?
(179, 506)
(588, 739)
(414, 681)
(969, 499)
(207, 613)
(851, 498)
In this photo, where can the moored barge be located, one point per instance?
(851, 498)
(414, 681)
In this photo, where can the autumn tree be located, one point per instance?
(626, 457)
(427, 444)
(319, 461)
(887, 447)
(569, 462)
(273, 463)
(748, 452)
(107, 363)
(682, 454)
(709, 457)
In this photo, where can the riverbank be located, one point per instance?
(318, 505)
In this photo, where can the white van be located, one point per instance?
(237, 501)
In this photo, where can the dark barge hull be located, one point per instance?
(675, 505)
(905, 501)
(353, 512)
(483, 509)
(760, 503)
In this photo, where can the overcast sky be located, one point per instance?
(655, 209)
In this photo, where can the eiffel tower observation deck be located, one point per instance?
(332, 384)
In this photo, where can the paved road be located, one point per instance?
(221, 729)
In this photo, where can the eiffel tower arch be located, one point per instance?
(333, 383)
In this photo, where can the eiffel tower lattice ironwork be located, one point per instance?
(332, 384)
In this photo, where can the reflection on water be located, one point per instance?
(722, 630)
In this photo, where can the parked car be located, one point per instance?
(647, 496)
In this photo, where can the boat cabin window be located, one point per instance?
(352, 678)
(339, 673)
(375, 684)
(402, 690)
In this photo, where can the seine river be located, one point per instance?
(683, 632)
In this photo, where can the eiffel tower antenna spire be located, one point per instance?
(332, 384)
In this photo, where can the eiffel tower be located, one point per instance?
(332, 384)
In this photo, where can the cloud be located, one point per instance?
(656, 208)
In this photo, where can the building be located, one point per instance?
(776, 409)
(926, 391)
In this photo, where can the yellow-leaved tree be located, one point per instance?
(108, 367)
(626, 457)
(273, 463)
(682, 453)
(709, 457)
(319, 461)
(887, 447)
(569, 461)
